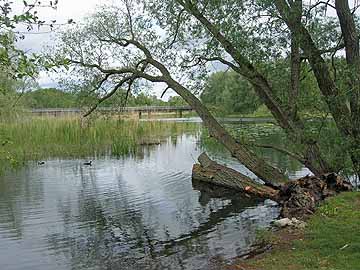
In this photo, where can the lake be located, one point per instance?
(140, 211)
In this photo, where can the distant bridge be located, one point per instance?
(110, 110)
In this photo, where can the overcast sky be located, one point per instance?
(77, 10)
(66, 9)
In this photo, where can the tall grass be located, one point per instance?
(42, 138)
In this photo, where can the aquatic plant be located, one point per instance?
(42, 138)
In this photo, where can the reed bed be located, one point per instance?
(43, 138)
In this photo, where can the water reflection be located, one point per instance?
(137, 212)
(261, 134)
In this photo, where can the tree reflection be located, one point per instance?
(115, 234)
(18, 196)
(138, 212)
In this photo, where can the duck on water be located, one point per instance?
(88, 163)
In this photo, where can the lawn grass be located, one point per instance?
(330, 241)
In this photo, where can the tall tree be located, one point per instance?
(134, 51)
(229, 92)
(13, 27)
(173, 42)
(237, 27)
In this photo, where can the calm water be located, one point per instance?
(137, 212)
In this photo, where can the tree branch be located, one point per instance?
(130, 19)
(281, 150)
(123, 70)
(177, 28)
(110, 94)
(327, 3)
(221, 60)
(128, 90)
(164, 92)
(335, 49)
(333, 97)
(245, 68)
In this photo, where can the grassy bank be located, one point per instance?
(330, 241)
(42, 138)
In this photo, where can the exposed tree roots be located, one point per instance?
(299, 198)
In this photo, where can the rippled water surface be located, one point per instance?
(137, 212)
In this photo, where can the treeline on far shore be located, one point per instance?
(55, 98)
(223, 92)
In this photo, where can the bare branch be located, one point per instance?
(354, 9)
(128, 90)
(201, 60)
(178, 24)
(222, 60)
(107, 76)
(126, 42)
(327, 3)
(143, 62)
(335, 49)
(110, 94)
(164, 92)
(281, 150)
(333, 58)
(130, 19)
(123, 71)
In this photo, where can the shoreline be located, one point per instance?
(329, 241)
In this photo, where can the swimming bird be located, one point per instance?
(41, 162)
(88, 163)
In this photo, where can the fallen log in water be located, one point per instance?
(298, 198)
(211, 172)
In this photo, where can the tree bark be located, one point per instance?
(295, 63)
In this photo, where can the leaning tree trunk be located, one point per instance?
(257, 165)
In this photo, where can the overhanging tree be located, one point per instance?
(14, 25)
(236, 25)
(116, 49)
(171, 42)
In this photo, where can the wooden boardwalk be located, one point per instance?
(111, 110)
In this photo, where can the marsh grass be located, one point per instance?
(25, 139)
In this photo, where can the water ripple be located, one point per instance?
(137, 212)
